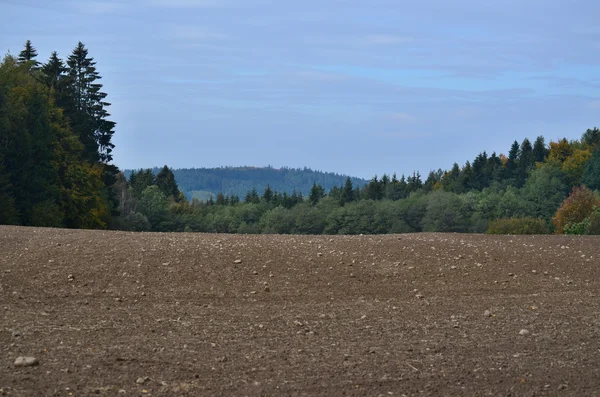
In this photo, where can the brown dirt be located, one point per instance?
(364, 315)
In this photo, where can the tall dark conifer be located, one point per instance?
(89, 115)
(28, 55)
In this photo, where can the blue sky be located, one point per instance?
(349, 86)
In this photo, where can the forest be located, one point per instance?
(204, 183)
(55, 170)
(537, 188)
(55, 142)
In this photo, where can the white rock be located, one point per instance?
(26, 361)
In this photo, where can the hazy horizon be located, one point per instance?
(340, 86)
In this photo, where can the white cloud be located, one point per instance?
(386, 39)
(403, 117)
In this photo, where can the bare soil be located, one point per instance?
(128, 314)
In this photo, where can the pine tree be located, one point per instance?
(28, 55)
(347, 192)
(450, 178)
(540, 151)
(494, 168)
(316, 194)
(165, 180)
(525, 163)
(89, 108)
(510, 171)
(54, 72)
(268, 194)
(591, 137)
(252, 197)
(481, 178)
(465, 179)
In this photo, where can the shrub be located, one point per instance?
(594, 222)
(518, 226)
(575, 208)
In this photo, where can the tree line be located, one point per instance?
(523, 192)
(55, 142)
(55, 170)
(204, 183)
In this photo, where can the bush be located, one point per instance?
(46, 214)
(575, 208)
(594, 222)
(518, 226)
(134, 222)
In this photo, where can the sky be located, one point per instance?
(349, 86)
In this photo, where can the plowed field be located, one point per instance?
(128, 314)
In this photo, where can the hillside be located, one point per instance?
(161, 314)
(204, 182)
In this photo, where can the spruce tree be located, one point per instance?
(316, 194)
(347, 192)
(165, 180)
(268, 194)
(540, 151)
(28, 55)
(525, 162)
(510, 170)
(54, 72)
(89, 113)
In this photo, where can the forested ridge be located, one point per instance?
(538, 187)
(204, 183)
(55, 170)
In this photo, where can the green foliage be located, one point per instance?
(591, 172)
(577, 228)
(545, 190)
(574, 210)
(154, 204)
(46, 181)
(165, 180)
(446, 212)
(240, 180)
(518, 226)
(46, 214)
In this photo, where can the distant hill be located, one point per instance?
(204, 182)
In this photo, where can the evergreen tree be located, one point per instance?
(481, 177)
(268, 194)
(450, 179)
(347, 192)
(54, 72)
(430, 182)
(494, 168)
(414, 182)
(141, 180)
(165, 180)
(27, 56)
(88, 110)
(591, 137)
(510, 170)
(252, 197)
(465, 179)
(316, 194)
(374, 189)
(525, 163)
(540, 151)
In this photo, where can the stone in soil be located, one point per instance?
(26, 361)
